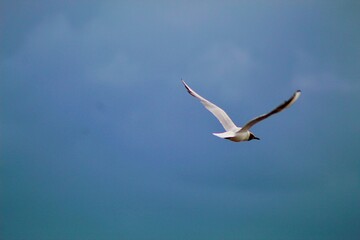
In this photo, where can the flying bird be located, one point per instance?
(233, 132)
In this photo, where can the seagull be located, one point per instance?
(233, 132)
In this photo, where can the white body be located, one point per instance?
(235, 136)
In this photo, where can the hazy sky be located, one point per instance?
(100, 140)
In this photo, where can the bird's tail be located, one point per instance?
(225, 135)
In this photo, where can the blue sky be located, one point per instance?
(100, 140)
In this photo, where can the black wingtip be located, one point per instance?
(187, 88)
(183, 82)
(298, 90)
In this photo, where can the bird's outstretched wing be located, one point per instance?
(220, 114)
(281, 107)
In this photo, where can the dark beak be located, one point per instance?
(256, 138)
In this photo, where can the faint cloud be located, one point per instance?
(63, 51)
(182, 15)
(314, 75)
(174, 14)
(115, 71)
(224, 59)
(224, 62)
(324, 82)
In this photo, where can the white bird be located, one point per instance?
(234, 133)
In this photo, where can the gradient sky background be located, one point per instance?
(100, 140)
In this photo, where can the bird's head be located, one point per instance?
(252, 136)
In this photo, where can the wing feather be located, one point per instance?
(278, 109)
(220, 114)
